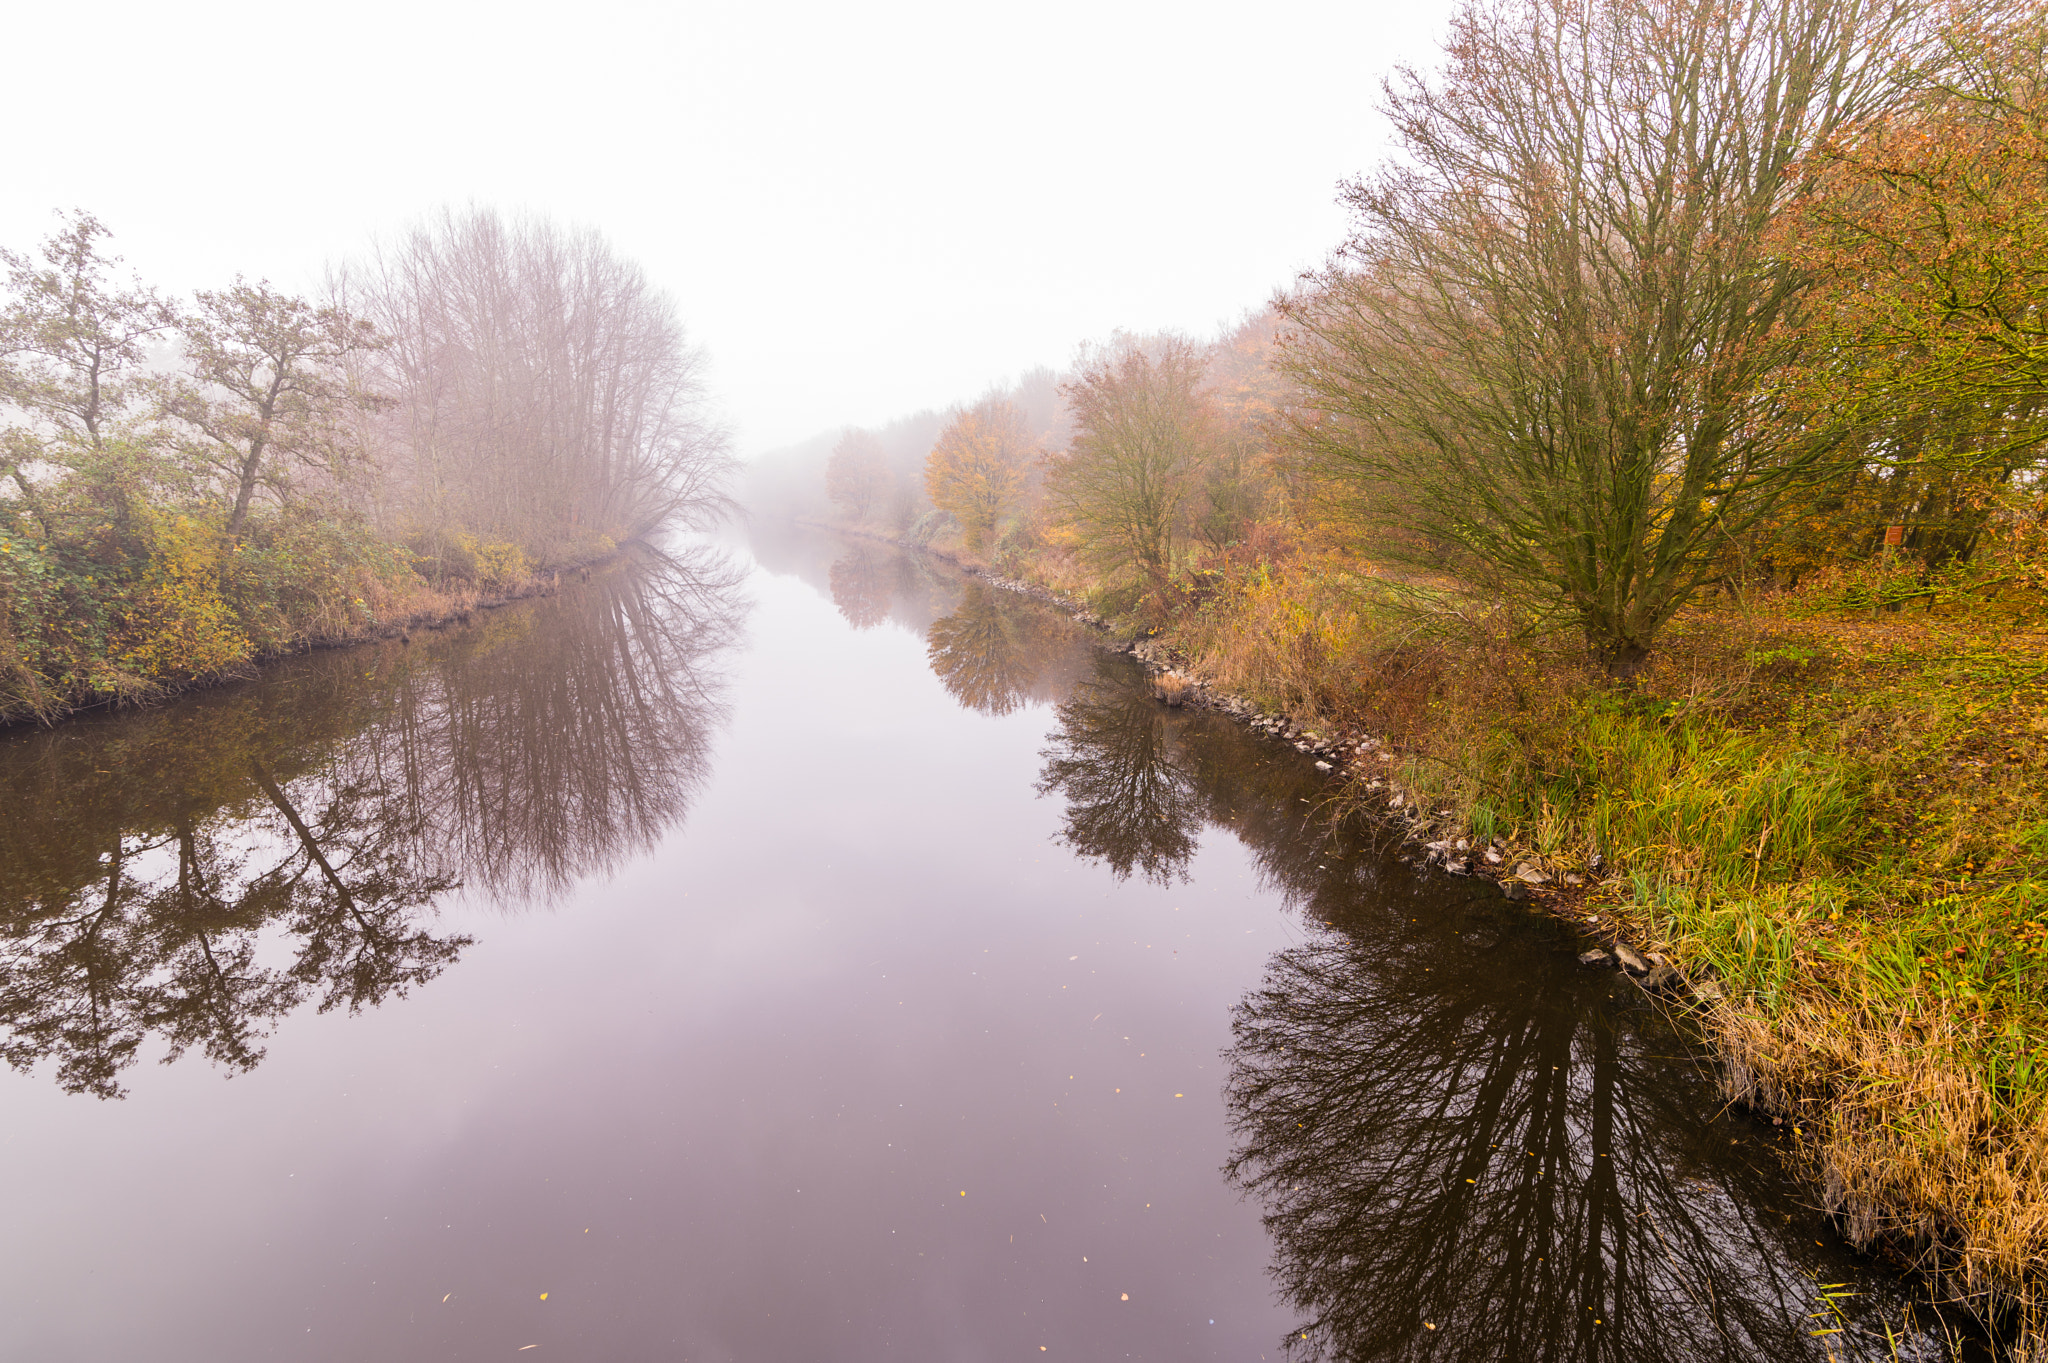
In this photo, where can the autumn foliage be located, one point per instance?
(1659, 473)
(978, 468)
(505, 397)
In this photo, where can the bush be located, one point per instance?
(112, 595)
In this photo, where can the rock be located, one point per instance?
(1494, 857)
(1528, 873)
(1632, 963)
(1463, 845)
(1597, 956)
(1663, 977)
(1322, 766)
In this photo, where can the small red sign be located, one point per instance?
(1894, 536)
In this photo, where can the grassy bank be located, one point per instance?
(1833, 801)
(143, 600)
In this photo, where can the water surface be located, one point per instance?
(800, 952)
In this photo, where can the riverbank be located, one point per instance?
(1820, 821)
(159, 640)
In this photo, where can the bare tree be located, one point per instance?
(857, 476)
(1144, 433)
(547, 392)
(1545, 357)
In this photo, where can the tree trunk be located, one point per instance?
(247, 490)
(1622, 659)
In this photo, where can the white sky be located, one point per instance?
(863, 210)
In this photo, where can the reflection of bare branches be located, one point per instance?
(1128, 802)
(860, 580)
(1373, 1077)
(329, 806)
(1437, 1150)
(89, 972)
(359, 941)
(553, 746)
(869, 580)
(987, 657)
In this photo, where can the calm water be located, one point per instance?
(795, 952)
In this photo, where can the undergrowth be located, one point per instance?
(109, 593)
(1833, 801)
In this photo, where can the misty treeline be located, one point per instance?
(1657, 297)
(186, 484)
(1149, 446)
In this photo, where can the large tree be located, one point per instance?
(71, 337)
(857, 476)
(1545, 359)
(1143, 435)
(547, 392)
(268, 389)
(1925, 231)
(977, 469)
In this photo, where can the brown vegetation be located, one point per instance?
(1657, 472)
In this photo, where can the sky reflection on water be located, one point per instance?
(896, 980)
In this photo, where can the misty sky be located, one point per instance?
(863, 209)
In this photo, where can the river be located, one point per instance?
(792, 950)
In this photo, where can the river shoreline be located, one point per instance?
(452, 610)
(1751, 1060)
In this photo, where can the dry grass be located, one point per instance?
(1909, 1147)
(1839, 810)
(1171, 687)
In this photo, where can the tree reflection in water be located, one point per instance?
(194, 873)
(1129, 803)
(1445, 1131)
(861, 579)
(987, 654)
(869, 581)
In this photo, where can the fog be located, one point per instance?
(863, 211)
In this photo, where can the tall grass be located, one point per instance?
(1843, 822)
